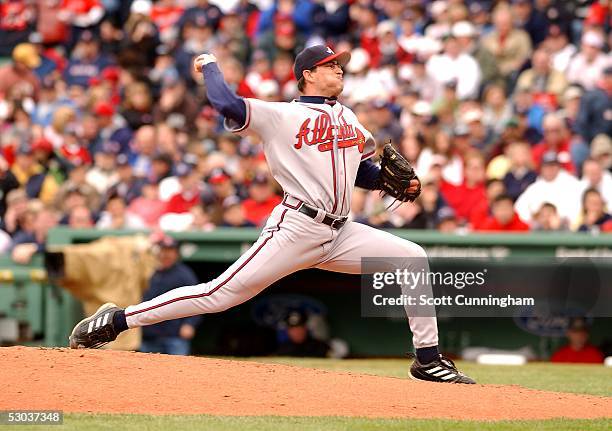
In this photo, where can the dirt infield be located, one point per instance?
(100, 381)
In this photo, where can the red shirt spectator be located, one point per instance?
(588, 355)
(555, 139)
(470, 195)
(261, 201)
(578, 349)
(504, 218)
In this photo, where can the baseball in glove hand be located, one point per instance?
(397, 175)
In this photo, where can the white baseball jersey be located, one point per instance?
(313, 149)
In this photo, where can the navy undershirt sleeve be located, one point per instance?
(221, 97)
(367, 175)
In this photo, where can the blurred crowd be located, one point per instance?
(503, 107)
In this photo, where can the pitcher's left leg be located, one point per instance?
(355, 241)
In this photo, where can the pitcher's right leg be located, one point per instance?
(283, 247)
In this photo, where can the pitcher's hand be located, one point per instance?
(203, 59)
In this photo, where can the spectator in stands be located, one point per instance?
(117, 216)
(299, 341)
(148, 207)
(520, 174)
(542, 79)
(467, 37)
(594, 213)
(234, 214)
(172, 337)
(86, 61)
(594, 176)
(547, 219)
(76, 191)
(32, 176)
(510, 46)
(556, 139)
(455, 65)
(601, 150)
(531, 20)
(471, 193)
(578, 349)
(504, 218)
(129, 186)
(553, 185)
(261, 201)
(80, 217)
(104, 173)
(587, 66)
(29, 242)
(17, 80)
(594, 116)
(8, 182)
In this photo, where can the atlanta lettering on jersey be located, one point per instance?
(323, 135)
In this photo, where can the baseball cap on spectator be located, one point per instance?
(218, 176)
(438, 7)
(284, 28)
(295, 318)
(104, 109)
(315, 56)
(231, 201)
(35, 38)
(461, 130)
(592, 38)
(110, 147)
(360, 59)
(601, 145)
(463, 29)
(111, 73)
(170, 78)
(471, 116)
(27, 54)
(260, 178)
(142, 7)
(122, 160)
(182, 169)
(88, 36)
(422, 108)
(550, 158)
(166, 241)
(476, 8)
(42, 144)
(571, 93)
(607, 71)
(267, 88)
(385, 27)
(445, 213)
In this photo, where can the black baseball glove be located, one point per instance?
(396, 174)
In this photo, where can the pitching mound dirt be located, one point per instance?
(102, 381)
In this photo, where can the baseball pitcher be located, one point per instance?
(317, 151)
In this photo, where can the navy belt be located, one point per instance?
(333, 222)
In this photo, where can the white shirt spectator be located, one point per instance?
(452, 170)
(587, 74)
(561, 59)
(101, 180)
(131, 221)
(5, 241)
(168, 187)
(463, 69)
(604, 187)
(563, 192)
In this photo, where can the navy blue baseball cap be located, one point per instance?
(315, 56)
